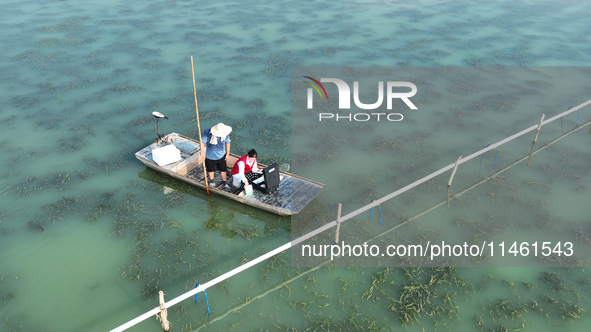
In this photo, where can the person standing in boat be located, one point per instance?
(217, 149)
(245, 169)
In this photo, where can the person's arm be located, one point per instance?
(203, 145)
(202, 150)
(255, 168)
(241, 173)
(227, 151)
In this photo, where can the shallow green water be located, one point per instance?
(88, 235)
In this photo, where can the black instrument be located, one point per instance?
(271, 179)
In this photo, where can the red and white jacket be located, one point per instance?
(242, 167)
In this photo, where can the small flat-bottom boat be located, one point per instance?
(290, 197)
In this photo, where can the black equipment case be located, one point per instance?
(272, 179)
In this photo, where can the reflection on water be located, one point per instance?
(80, 228)
(220, 212)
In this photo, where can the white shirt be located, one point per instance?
(253, 164)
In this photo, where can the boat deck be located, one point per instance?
(293, 193)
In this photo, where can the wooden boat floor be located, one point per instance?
(293, 194)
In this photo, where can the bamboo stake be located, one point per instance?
(199, 127)
(539, 127)
(336, 239)
(454, 172)
(163, 313)
(530, 153)
(536, 138)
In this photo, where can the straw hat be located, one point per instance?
(221, 130)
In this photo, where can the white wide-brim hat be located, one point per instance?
(221, 130)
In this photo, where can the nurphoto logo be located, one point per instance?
(345, 99)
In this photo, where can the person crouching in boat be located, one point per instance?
(217, 149)
(245, 170)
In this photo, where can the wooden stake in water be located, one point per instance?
(336, 239)
(199, 127)
(535, 139)
(539, 127)
(531, 152)
(454, 172)
(163, 313)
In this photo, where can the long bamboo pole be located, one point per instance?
(199, 127)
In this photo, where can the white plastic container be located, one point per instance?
(248, 190)
(166, 155)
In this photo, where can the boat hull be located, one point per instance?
(293, 194)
